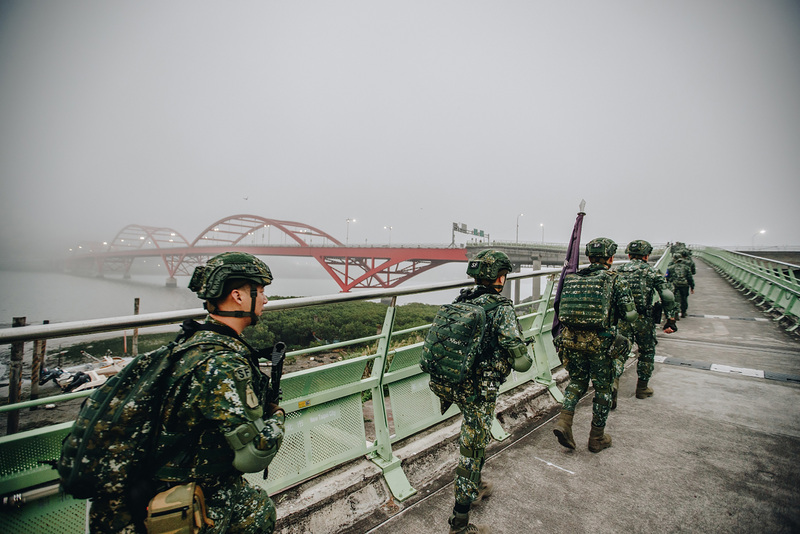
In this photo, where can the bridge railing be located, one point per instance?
(771, 284)
(336, 413)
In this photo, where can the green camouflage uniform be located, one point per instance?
(595, 354)
(680, 275)
(643, 330)
(214, 389)
(478, 395)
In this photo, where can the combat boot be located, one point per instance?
(563, 429)
(459, 524)
(642, 391)
(598, 439)
(485, 490)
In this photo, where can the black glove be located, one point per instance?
(670, 326)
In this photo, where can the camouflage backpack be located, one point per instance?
(110, 449)
(677, 273)
(455, 341)
(586, 300)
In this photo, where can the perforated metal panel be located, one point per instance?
(414, 405)
(317, 439)
(405, 357)
(330, 376)
(52, 515)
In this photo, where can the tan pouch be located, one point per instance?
(178, 510)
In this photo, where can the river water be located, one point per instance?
(61, 297)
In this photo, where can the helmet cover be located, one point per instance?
(208, 280)
(600, 247)
(639, 247)
(487, 264)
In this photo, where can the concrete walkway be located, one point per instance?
(716, 449)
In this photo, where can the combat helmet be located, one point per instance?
(600, 247)
(209, 280)
(639, 247)
(487, 264)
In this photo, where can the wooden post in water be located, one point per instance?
(37, 364)
(15, 378)
(135, 338)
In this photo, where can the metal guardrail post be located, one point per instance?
(383, 457)
(544, 375)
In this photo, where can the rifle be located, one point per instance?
(274, 393)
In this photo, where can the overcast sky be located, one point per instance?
(675, 120)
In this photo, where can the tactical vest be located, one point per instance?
(637, 282)
(585, 302)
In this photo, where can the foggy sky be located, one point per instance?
(673, 120)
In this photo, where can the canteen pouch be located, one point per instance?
(178, 510)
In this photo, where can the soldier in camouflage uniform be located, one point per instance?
(589, 353)
(644, 281)
(215, 426)
(478, 394)
(679, 273)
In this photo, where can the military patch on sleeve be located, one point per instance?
(240, 374)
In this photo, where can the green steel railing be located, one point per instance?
(769, 283)
(326, 414)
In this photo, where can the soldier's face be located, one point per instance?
(261, 299)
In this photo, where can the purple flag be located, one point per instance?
(570, 264)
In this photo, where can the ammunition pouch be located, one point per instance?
(178, 510)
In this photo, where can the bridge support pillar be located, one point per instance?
(537, 282)
(172, 282)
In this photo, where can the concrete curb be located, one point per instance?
(354, 497)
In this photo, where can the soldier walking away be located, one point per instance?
(501, 348)
(218, 421)
(679, 273)
(644, 281)
(593, 301)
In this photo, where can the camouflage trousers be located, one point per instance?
(682, 298)
(583, 367)
(643, 333)
(475, 436)
(235, 506)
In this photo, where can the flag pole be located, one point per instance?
(570, 263)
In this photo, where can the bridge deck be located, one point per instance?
(713, 451)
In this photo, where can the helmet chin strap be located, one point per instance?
(238, 313)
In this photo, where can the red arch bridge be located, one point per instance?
(350, 266)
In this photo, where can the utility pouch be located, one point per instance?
(580, 340)
(178, 510)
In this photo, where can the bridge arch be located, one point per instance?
(232, 230)
(140, 237)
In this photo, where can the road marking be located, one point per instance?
(720, 368)
(551, 464)
(728, 317)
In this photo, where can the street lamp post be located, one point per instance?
(390, 234)
(753, 241)
(347, 237)
(518, 216)
(542, 225)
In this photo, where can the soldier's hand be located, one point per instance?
(670, 326)
(692, 291)
(273, 408)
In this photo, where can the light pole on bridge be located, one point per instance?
(347, 237)
(542, 225)
(518, 216)
(753, 241)
(390, 234)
